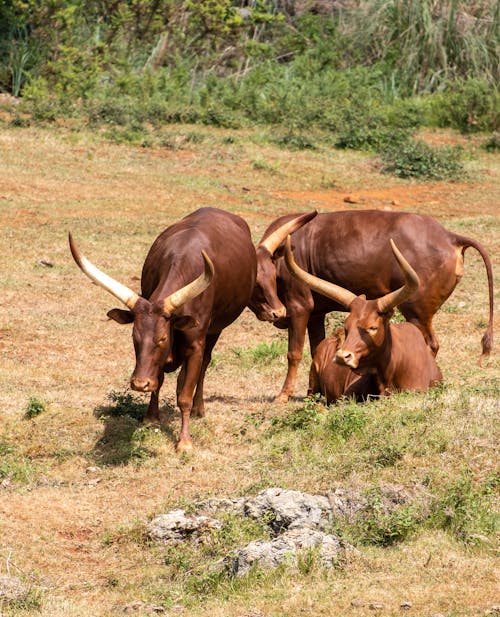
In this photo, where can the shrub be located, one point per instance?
(416, 159)
(34, 407)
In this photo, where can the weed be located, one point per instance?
(383, 525)
(416, 159)
(492, 144)
(466, 508)
(346, 418)
(34, 407)
(260, 165)
(122, 404)
(262, 353)
(302, 418)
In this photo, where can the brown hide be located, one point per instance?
(334, 381)
(350, 249)
(166, 336)
(396, 352)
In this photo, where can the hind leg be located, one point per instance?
(423, 321)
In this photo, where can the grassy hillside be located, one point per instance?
(80, 478)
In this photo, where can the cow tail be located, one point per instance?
(464, 243)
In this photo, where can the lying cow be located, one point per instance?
(180, 313)
(333, 380)
(396, 353)
(350, 250)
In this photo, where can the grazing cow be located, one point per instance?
(350, 249)
(180, 313)
(396, 353)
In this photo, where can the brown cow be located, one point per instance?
(397, 353)
(333, 380)
(180, 314)
(350, 249)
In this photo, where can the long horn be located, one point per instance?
(332, 291)
(394, 298)
(272, 242)
(191, 290)
(124, 294)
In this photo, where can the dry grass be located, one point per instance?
(82, 487)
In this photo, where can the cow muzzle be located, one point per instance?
(347, 358)
(143, 385)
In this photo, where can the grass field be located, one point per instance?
(78, 484)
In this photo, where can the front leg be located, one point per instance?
(186, 383)
(198, 410)
(296, 339)
(153, 412)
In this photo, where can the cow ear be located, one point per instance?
(280, 251)
(121, 316)
(184, 322)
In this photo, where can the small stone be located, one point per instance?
(350, 199)
(358, 602)
(92, 469)
(376, 606)
(405, 606)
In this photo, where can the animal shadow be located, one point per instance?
(124, 437)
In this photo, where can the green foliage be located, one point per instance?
(34, 407)
(262, 353)
(122, 404)
(346, 418)
(416, 159)
(13, 465)
(383, 525)
(466, 508)
(469, 105)
(492, 144)
(302, 418)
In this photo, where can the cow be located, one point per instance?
(350, 249)
(334, 381)
(396, 354)
(197, 278)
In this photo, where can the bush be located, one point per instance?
(416, 159)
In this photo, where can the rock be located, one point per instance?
(376, 606)
(358, 602)
(286, 509)
(12, 588)
(285, 548)
(405, 606)
(143, 607)
(177, 526)
(227, 506)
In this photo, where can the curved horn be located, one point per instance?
(124, 294)
(272, 242)
(392, 299)
(332, 291)
(191, 290)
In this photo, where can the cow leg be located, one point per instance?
(153, 412)
(424, 324)
(186, 384)
(198, 409)
(296, 339)
(315, 331)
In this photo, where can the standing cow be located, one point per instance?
(396, 355)
(350, 249)
(180, 313)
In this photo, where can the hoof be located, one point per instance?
(152, 422)
(197, 413)
(282, 398)
(184, 446)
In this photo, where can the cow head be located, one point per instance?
(154, 322)
(368, 320)
(265, 302)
